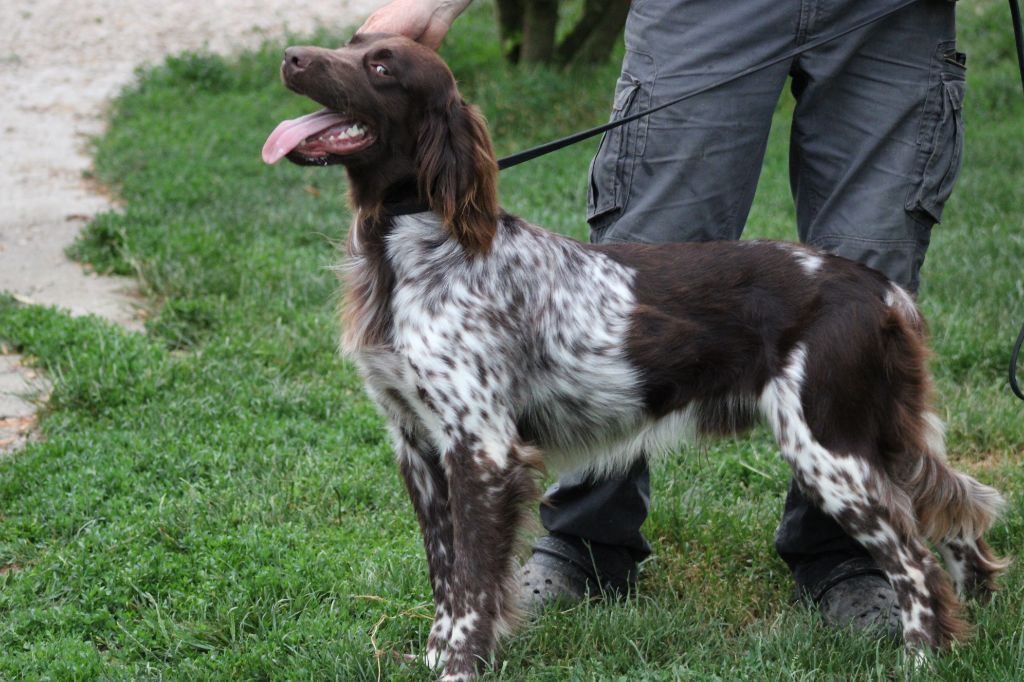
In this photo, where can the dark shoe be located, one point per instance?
(858, 596)
(567, 571)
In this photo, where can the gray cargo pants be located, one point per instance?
(875, 149)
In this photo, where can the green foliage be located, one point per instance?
(216, 499)
(102, 245)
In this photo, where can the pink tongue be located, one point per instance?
(288, 134)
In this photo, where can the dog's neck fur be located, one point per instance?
(372, 189)
(450, 169)
(402, 198)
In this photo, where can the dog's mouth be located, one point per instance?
(315, 138)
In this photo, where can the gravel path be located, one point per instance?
(60, 62)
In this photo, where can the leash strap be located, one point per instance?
(1014, 356)
(547, 148)
(1018, 36)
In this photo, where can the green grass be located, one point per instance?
(216, 499)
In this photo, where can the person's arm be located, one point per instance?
(425, 21)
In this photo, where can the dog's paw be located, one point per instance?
(435, 658)
(456, 677)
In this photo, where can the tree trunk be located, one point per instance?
(539, 21)
(510, 28)
(592, 39)
(592, 10)
(527, 28)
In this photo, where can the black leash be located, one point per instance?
(547, 148)
(1018, 36)
(1014, 386)
(555, 145)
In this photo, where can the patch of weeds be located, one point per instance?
(199, 71)
(102, 244)
(184, 323)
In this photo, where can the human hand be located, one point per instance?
(425, 21)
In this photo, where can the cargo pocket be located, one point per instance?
(611, 169)
(940, 143)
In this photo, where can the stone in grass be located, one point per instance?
(22, 389)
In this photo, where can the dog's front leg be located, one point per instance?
(489, 482)
(428, 489)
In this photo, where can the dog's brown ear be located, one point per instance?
(458, 173)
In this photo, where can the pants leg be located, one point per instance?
(877, 135)
(607, 514)
(874, 151)
(687, 173)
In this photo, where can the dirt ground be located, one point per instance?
(60, 63)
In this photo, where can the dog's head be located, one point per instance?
(395, 119)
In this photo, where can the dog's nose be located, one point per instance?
(297, 58)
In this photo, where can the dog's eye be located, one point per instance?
(381, 69)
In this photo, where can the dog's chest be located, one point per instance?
(537, 330)
(386, 372)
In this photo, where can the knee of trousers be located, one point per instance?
(899, 259)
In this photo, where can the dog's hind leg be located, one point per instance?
(870, 508)
(489, 486)
(954, 510)
(428, 489)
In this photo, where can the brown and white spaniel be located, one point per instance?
(493, 347)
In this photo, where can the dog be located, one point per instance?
(494, 348)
